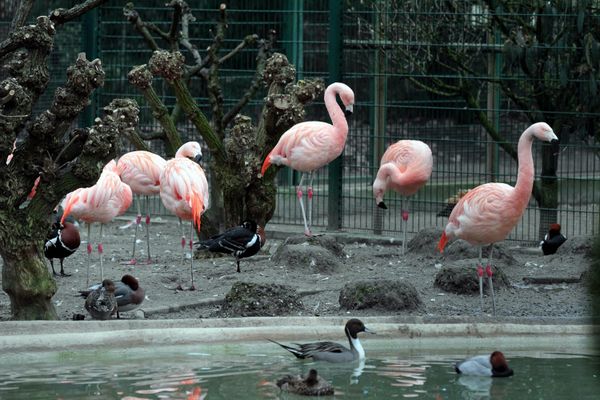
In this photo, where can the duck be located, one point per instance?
(331, 351)
(128, 293)
(62, 241)
(312, 385)
(552, 240)
(494, 365)
(101, 302)
(241, 241)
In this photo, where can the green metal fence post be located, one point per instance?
(293, 43)
(90, 46)
(335, 39)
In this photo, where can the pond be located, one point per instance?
(248, 371)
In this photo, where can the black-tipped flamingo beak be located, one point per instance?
(381, 204)
(555, 146)
(197, 158)
(348, 111)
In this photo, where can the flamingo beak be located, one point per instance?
(381, 204)
(197, 158)
(348, 111)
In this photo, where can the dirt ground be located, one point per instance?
(363, 258)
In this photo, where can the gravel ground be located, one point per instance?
(363, 258)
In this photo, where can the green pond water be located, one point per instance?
(249, 372)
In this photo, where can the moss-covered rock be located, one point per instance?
(379, 295)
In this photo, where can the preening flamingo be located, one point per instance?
(310, 145)
(486, 214)
(405, 167)
(141, 171)
(184, 190)
(108, 198)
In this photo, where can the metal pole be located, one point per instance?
(334, 206)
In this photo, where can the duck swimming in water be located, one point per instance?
(312, 385)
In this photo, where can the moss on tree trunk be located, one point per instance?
(26, 280)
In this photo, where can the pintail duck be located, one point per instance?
(101, 303)
(494, 365)
(312, 385)
(241, 241)
(331, 351)
(128, 293)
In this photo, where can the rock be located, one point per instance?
(308, 257)
(247, 299)
(379, 295)
(463, 279)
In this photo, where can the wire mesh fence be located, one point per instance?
(420, 70)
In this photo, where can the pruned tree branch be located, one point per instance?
(63, 15)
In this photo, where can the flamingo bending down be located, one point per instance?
(141, 171)
(108, 198)
(405, 167)
(184, 190)
(486, 214)
(310, 145)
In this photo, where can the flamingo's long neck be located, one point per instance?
(335, 112)
(525, 174)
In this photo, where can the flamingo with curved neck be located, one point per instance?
(405, 167)
(310, 145)
(487, 214)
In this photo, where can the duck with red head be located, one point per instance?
(552, 240)
(128, 293)
(62, 241)
(494, 365)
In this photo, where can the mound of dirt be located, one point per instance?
(328, 242)
(461, 250)
(462, 279)
(425, 241)
(379, 295)
(577, 245)
(310, 257)
(247, 299)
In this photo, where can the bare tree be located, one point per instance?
(237, 147)
(550, 64)
(48, 147)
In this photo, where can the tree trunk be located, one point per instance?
(549, 191)
(26, 280)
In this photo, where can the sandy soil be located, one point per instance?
(364, 258)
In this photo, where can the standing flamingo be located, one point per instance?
(184, 190)
(310, 145)
(141, 171)
(405, 167)
(486, 214)
(102, 202)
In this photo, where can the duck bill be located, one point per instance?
(370, 331)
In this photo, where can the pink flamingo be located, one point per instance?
(310, 145)
(486, 214)
(108, 198)
(184, 191)
(141, 171)
(405, 167)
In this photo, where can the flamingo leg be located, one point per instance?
(489, 273)
(183, 241)
(101, 251)
(480, 275)
(192, 255)
(309, 194)
(138, 220)
(404, 223)
(299, 195)
(89, 253)
(148, 228)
